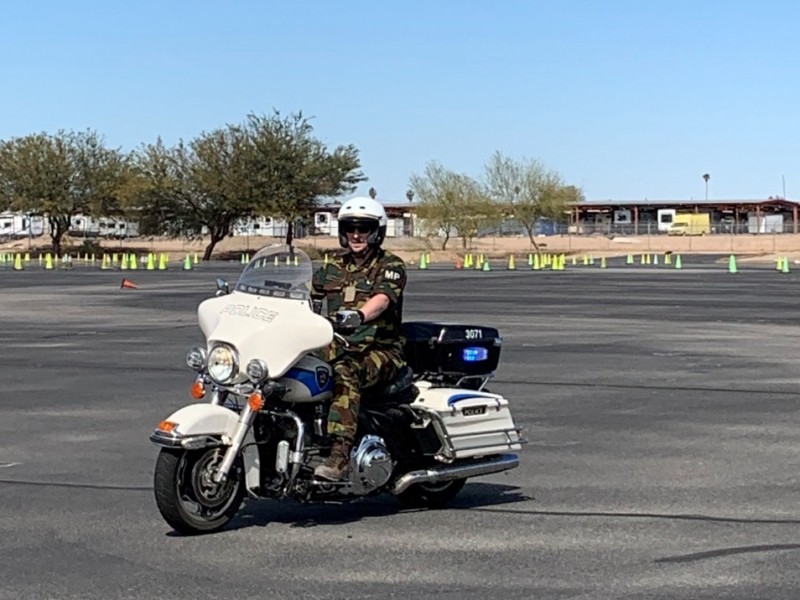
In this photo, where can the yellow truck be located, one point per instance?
(690, 224)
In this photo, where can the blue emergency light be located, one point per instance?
(474, 354)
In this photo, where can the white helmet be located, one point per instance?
(365, 211)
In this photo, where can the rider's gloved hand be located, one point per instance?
(348, 320)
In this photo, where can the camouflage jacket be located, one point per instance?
(345, 284)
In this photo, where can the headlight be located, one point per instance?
(223, 364)
(257, 370)
(196, 358)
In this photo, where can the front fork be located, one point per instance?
(246, 418)
(242, 427)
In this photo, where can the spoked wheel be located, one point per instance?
(431, 495)
(186, 494)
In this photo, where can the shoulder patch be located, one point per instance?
(391, 274)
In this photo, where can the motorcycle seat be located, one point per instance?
(390, 390)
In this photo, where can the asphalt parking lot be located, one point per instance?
(660, 404)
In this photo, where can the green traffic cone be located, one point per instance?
(732, 264)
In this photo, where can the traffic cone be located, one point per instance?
(104, 263)
(123, 262)
(668, 258)
(511, 265)
(486, 266)
(785, 267)
(530, 259)
(732, 264)
(678, 263)
(779, 264)
(162, 262)
(655, 259)
(629, 260)
(276, 263)
(423, 263)
(196, 259)
(151, 262)
(187, 263)
(537, 265)
(48, 262)
(133, 263)
(18, 262)
(127, 284)
(325, 260)
(603, 264)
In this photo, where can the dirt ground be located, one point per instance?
(764, 247)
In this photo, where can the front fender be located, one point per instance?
(196, 426)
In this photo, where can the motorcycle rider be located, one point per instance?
(363, 286)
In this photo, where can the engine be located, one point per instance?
(371, 465)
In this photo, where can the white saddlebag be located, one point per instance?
(475, 423)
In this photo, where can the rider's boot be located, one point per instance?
(335, 468)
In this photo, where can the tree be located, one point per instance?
(205, 185)
(450, 201)
(436, 191)
(528, 191)
(60, 176)
(292, 170)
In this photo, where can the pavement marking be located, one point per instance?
(10, 464)
(553, 444)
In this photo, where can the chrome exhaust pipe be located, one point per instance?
(473, 469)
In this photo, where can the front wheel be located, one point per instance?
(186, 494)
(431, 495)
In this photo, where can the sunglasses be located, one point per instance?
(362, 228)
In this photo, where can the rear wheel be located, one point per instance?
(186, 494)
(431, 495)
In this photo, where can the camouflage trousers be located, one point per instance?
(351, 373)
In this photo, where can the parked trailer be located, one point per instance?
(18, 225)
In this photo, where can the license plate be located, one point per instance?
(471, 411)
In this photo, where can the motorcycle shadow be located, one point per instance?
(263, 513)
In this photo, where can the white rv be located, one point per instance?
(19, 225)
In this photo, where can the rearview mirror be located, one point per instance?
(223, 288)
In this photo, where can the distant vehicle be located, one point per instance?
(690, 224)
(18, 226)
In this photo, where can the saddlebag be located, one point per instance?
(451, 350)
(474, 423)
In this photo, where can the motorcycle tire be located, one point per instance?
(187, 499)
(431, 495)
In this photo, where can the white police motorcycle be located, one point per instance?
(263, 429)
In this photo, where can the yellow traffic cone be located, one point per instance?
(151, 262)
(511, 265)
(537, 265)
(603, 264)
(48, 262)
(133, 263)
(18, 262)
(187, 263)
(785, 267)
(162, 262)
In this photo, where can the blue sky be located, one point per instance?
(629, 99)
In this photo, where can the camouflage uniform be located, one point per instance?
(375, 351)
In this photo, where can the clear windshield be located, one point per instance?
(280, 271)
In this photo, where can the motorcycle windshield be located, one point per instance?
(278, 271)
